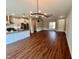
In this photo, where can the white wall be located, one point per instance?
(69, 30)
(39, 25)
(60, 24)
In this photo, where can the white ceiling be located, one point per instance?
(55, 7)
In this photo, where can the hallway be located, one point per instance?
(41, 45)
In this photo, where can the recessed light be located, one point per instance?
(12, 14)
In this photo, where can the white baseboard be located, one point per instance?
(39, 30)
(68, 44)
(60, 30)
(45, 29)
(53, 29)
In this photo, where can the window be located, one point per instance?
(52, 25)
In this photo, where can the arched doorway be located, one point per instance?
(27, 26)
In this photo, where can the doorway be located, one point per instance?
(61, 24)
(34, 25)
(52, 25)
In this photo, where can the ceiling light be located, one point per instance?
(39, 11)
(23, 16)
(31, 12)
(42, 16)
(45, 13)
(61, 16)
(36, 16)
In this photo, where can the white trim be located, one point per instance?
(68, 44)
(53, 29)
(60, 30)
(39, 30)
(45, 29)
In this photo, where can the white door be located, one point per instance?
(52, 25)
(60, 25)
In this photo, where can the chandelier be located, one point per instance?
(38, 14)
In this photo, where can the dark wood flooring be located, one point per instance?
(41, 45)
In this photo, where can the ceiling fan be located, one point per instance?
(39, 14)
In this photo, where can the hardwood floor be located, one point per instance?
(41, 45)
